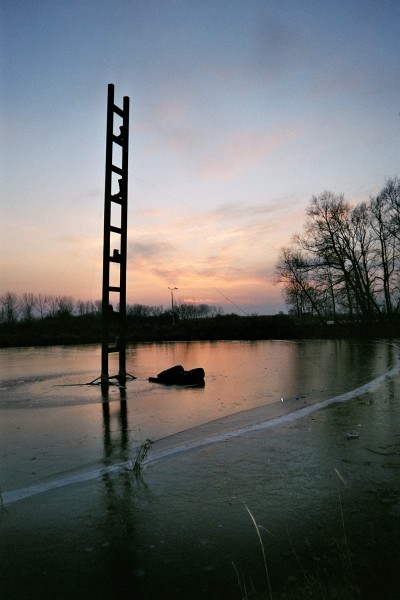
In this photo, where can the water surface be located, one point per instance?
(52, 422)
(77, 523)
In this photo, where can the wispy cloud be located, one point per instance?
(239, 152)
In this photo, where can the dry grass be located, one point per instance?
(141, 455)
(330, 579)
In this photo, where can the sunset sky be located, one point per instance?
(240, 112)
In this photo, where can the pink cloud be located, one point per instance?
(240, 152)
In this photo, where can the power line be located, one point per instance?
(188, 262)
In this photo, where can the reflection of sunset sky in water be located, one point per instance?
(181, 528)
(51, 425)
(240, 112)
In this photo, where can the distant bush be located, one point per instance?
(65, 328)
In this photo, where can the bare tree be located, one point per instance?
(390, 195)
(65, 305)
(60, 305)
(85, 307)
(156, 311)
(387, 251)
(321, 238)
(215, 311)
(138, 310)
(347, 258)
(52, 303)
(10, 304)
(339, 237)
(301, 293)
(362, 257)
(186, 310)
(28, 303)
(203, 310)
(41, 303)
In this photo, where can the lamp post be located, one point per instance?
(172, 304)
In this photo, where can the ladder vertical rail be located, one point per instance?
(106, 236)
(124, 230)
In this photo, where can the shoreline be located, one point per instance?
(87, 329)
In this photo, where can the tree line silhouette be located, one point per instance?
(346, 262)
(30, 320)
(28, 307)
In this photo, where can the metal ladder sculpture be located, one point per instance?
(115, 234)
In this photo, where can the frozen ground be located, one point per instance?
(328, 504)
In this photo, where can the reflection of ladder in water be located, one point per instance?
(115, 238)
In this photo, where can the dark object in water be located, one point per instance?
(178, 376)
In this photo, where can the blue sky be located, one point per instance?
(240, 112)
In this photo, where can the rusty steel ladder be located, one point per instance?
(115, 240)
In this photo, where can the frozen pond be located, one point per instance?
(76, 523)
(52, 423)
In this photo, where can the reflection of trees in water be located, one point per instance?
(336, 366)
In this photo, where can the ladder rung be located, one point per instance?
(117, 140)
(116, 170)
(118, 110)
(115, 198)
(114, 349)
(114, 289)
(115, 229)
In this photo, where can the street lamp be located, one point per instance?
(172, 304)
